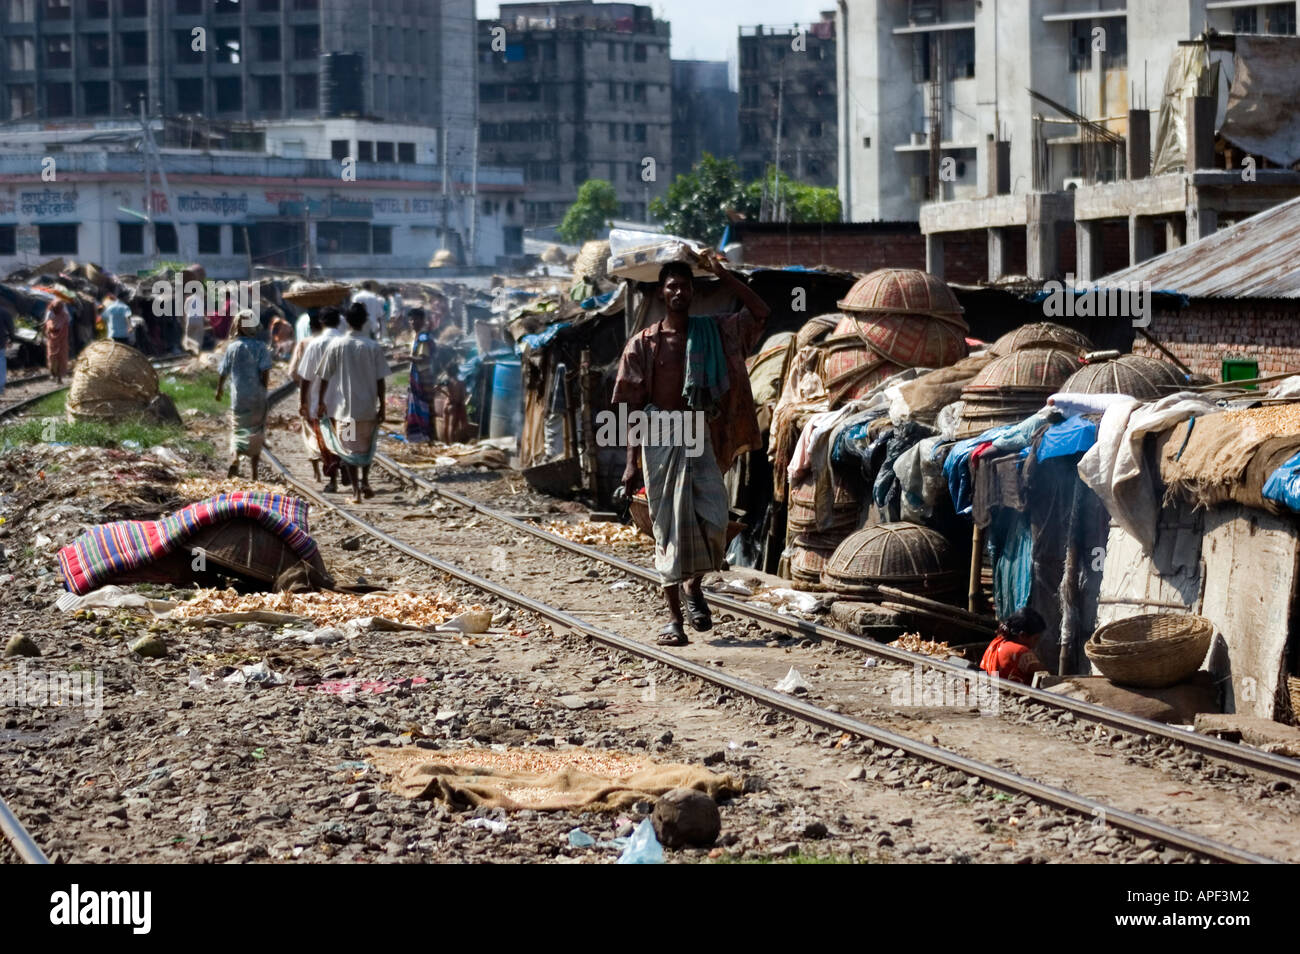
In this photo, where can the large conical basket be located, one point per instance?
(110, 380)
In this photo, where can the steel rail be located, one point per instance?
(1242, 755)
(793, 706)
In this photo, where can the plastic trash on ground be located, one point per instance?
(793, 683)
(496, 827)
(643, 847)
(260, 674)
(470, 621)
(580, 839)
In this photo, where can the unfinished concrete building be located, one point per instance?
(1079, 142)
(788, 114)
(578, 90)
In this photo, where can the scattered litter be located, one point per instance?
(42, 541)
(496, 827)
(379, 624)
(914, 643)
(580, 839)
(787, 600)
(740, 586)
(793, 683)
(260, 674)
(326, 608)
(471, 621)
(112, 597)
(599, 533)
(643, 847)
(622, 585)
(338, 687)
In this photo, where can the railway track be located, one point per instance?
(369, 517)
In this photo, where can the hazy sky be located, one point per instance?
(706, 29)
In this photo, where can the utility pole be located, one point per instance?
(473, 208)
(153, 153)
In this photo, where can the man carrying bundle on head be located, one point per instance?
(689, 366)
(306, 371)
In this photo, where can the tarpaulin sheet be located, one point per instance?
(1072, 436)
(1261, 116)
(1190, 74)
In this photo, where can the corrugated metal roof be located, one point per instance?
(1259, 257)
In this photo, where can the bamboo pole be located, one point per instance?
(975, 593)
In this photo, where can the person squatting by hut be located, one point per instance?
(58, 331)
(310, 395)
(690, 364)
(352, 430)
(247, 363)
(419, 395)
(1011, 653)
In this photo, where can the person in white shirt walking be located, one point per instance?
(374, 304)
(307, 373)
(351, 429)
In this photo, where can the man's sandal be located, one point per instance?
(698, 611)
(672, 635)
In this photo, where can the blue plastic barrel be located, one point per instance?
(507, 416)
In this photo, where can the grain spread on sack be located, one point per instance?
(595, 533)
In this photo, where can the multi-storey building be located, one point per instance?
(788, 114)
(704, 112)
(1034, 124)
(577, 90)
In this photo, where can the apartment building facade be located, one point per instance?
(577, 90)
(788, 113)
(967, 68)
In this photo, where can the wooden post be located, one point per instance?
(1068, 592)
(589, 469)
(975, 593)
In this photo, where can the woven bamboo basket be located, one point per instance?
(110, 380)
(903, 291)
(1041, 334)
(1133, 374)
(907, 556)
(1293, 690)
(593, 261)
(317, 296)
(639, 509)
(815, 329)
(1150, 651)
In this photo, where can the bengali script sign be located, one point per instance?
(224, 204)
(47, 202)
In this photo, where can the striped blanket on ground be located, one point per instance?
(105, 552)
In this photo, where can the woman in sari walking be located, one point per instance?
(420, 392)
(247, 363)
(58, 329)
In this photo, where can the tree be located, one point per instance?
(697, 203)
(802, 202)
(596, 204)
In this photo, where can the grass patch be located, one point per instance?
(798, 858)
(399, 382)
(46, 423)
(195, 391)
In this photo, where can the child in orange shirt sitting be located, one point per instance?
(1011, 654)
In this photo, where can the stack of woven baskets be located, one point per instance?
(1013, 387)
(1152, 650)
(1133, 374)
(812, 545)
(895, 318)
(906, 556)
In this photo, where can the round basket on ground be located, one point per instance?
(1039, 369)
(110, 380)
(1041, 334)
(903, 291)
(1150, 651)
(1133, 374)
(906, 556)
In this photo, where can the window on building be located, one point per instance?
(340, 148)
(135, 48)
(229, 93)
(513, 240)
(815, 129)
(612, 51)
(306, 91)
(209, 239)
(748, 55)
(1116, 55)
(58, 239)
(1080, 46)
(22, 100)
(406, 152)
(96, 9)
(229, 45)
(613, 92)
(381, 239)
(961, 54)
(638, 132)
(267, 6)
(133, 91)
(189, 95)
(412, 51)
(268, 44)
(922, 61)
(130, 238)
(58, 52)
(133, 8)
(22, 11)
(638, 53)
(98, 53)
(164, 236)
(239, 239)
(185, 52)
(638, 93)
(365, 150)
(189, 7)
(58, 99)
(306, 42)
(1281, 18)
(270, 97)
(491, 93)
(1244, 21)
(306, 4)
(749, 133)
(58, 9)
(22, 54)
(384, 152)
(343, 238)
(8, 240)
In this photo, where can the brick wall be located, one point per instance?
(1211, 329)
(867, 248)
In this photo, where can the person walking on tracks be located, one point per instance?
(58, 331)
(351, 430)
(247, 363)
(310, 394)
(685, 375)
(419, 396)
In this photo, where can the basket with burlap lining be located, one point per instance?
(110, 380)
(1152, 650)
